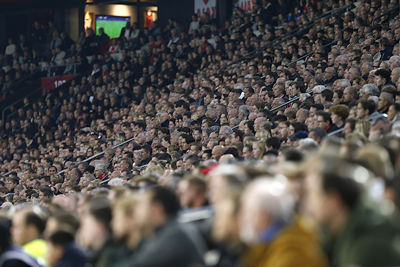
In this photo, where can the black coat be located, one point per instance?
(171, 246)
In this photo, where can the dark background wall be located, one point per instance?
(180, 10)
(17, 16)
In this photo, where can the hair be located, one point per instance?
(167, 198)
(198, 184)
(298, 126)
(239, 134)
(194, 159)
(396, 106)
(128, 161)
(368, 105)
(340, 110)
(338, 176)
(66, 221)
(46, 191)
(370, 89)
(5, 226)
(14, 180)
(38, 221)
(327, 94)
(126, 204)
(261, 146)
(388, 97)
(274, 142)
(383, 73)
(352, 123)
(273, 198)
(100, 209)
(292, 154)
(317, 106)
(319, 132)
(61, 238)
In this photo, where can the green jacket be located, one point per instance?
(369, 239)
(114, 254)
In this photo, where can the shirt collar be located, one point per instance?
(269, 234)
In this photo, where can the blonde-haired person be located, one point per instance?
(258, 149)
(362, 128)
(376, 159)
(153, 169)
(262, 135)
(125, 229)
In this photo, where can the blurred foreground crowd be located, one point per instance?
(271, 141)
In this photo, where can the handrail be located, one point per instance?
(32, 93)
(18, 84)
(282, 38)
(98, 154)
(22, 99)
(312, 23)
(369, 118)
(5, 174)
(50, 67)
(286, 103)
(26, 78)
(336, 132)
(386, 13)
(102, 153)
(309, 54)
(250, 54)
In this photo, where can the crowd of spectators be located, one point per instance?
(29, 55)
(271, 141)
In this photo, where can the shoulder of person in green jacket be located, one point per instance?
(370, 237)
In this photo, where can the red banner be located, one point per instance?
(246, 5)
(205, 6)
(52, 83)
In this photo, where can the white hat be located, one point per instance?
(318, 89)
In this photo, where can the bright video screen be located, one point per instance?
(112, 24)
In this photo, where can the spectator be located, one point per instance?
(164, 205)
(385, 100)
(273, 237)
(27, 229)
(192, 192)
(324, 121)
(188, 104)
(382, 77)
(339, 115)
(125, 230)
(10, 255)
(365, 108)
(95, 230)
(334, 182)
(62, 251)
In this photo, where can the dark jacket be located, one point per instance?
(368, 240)
(170, 246)
(114, 255)
(73, 257)
(15, 257)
